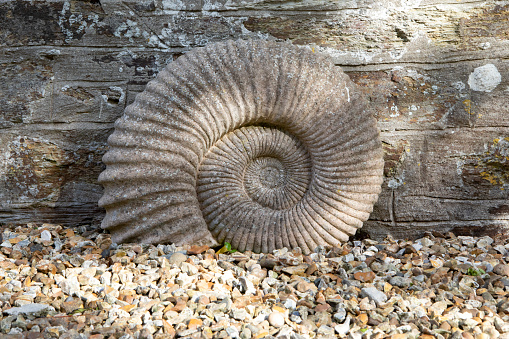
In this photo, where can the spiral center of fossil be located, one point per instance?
(254, 165)
(270, 172)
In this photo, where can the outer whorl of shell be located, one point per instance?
(260, 144)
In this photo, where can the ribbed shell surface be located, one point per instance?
(260, 144)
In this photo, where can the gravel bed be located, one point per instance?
(64, 283)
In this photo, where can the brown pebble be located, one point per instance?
(307, 259)
(445, 326)
(416, 271)
(501, 269)
(373, 322)
(364, 276)
(16, 255)
(320, 298)
(197, 249)
(369, 260)
(203, 300)
(363, 318)
(268, 262)
(194, 323)
(305, 303)
(393, 248)
(181, 304)
(19, 262)
(168, 329)
(322, 308)
(410, 250)
(138, 249)
(72, 305)
(311, 269)
(303, 286)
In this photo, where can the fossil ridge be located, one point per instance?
(260, 144)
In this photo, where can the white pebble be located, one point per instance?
(45, 235)
(276, 319)
(343, 328)
(290, 304)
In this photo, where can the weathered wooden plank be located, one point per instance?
(354, 34)
(409, 97)
(163, 6)
(72, 101)
(59, 214)
(22, 81)
(47, 167)
(110, 65)
(450, 164)
(68, 84)
(380, 230)
(445, 176)
(29, 23)
(384, 34)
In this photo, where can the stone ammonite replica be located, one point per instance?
(260, 144)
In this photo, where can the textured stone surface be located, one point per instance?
(284, 149)
(69, 68)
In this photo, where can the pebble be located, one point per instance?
(364, 276)
(340, 315)
(45, 235)
(501, 269)
(70, 286)
(78, 284)
(372, 293)
(344, 328)
(177, 258)
(402, 282)
(276, 319)
(290, 304)
(247, 286)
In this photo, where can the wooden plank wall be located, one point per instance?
(436, 73)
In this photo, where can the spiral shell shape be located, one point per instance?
(260, 144)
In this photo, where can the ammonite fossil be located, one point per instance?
(260, 144)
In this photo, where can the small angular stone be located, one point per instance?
(374, 294)
(72, 305)
(194, 323)
(365, 276)
(344, 328)
(177, 258)
(402, 282)
(197, 249)
(45, 235)
(340, 315)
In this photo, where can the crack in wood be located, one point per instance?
(392, 208)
